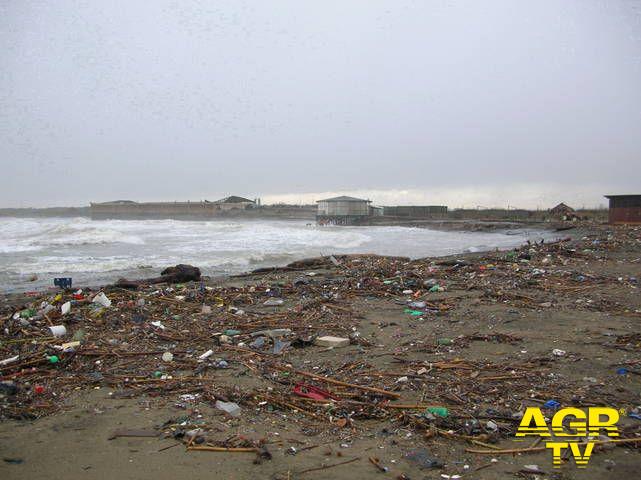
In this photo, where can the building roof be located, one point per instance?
(115, 202)
(562, 207)
(343, 198)
(619, 196)
(234, 199)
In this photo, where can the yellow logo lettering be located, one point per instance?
(570, 422)
(608, 424)
(540, 428)
(578, 427)
(581, 459)
(557, 449)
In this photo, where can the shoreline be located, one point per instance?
(471, 227)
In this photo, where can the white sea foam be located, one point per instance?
(104, 250)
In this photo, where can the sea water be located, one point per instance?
(94, 252)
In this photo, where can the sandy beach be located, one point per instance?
(480, 335)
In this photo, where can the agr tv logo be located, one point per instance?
(597, 420)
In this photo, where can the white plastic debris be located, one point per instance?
(9, 360)
(558, 353)
(206, 355)
(228, 407)
(167, 357)
(58, 330)
(102, 299)
(531, 468)
(65, 308)
(273, 302)
(329, 341)
(70, 346)
(158, 324)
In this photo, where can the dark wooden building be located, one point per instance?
(624, 209)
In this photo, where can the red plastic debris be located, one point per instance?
(310, 391)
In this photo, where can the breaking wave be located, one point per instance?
(101, 251)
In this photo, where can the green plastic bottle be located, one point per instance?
(438, 411)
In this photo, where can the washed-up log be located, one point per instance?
(178, 274)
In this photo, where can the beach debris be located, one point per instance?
(423, 459)
(10, 360)
(206, 355)
(377, 463)
(58, 330)
(230, 408)
(299, 281)
(531, 469)
(405, 374)
(329, 341)
(310, 391)
(69, 346)
(102, 299)
(273, 302)
(8, 388)
(280, 346)
(167, 357)
(272, 333)
(438, 411)
(62, 282)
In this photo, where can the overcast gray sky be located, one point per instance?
(459, 102)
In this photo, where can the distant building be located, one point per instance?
(342, 210)
(236, 201)
(416, 211)
(375, 211)
(178, 210)
(564, 212)
(624, 209)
